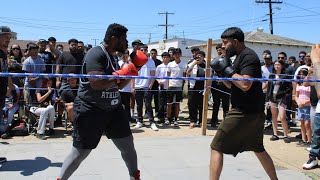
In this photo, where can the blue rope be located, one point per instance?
(5, 74)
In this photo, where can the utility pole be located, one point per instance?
(149, 37)
(166, 25)
(270, 2)
(95, 41)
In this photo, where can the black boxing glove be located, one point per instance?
(222, 66)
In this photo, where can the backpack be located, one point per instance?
(18, 128)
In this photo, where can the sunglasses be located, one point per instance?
(15, 49)
(281, 57)
(301, 57)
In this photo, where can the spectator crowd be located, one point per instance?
(49, 98)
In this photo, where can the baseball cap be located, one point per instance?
(6, 30)
(177, 50)
(42, 41)
(137, 41)
(195, 49)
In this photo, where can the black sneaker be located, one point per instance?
(5, 136)
(301, 143)
(161, 120)
(41, 136)
(268, 126)
(299, 136)
(274, 138)
(51, 132)
(286, 140)
(3, 159)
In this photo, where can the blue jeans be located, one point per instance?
(144, 95)
(10, 115)
(315, 145)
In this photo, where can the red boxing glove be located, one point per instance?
(126, 70)
(138, 58)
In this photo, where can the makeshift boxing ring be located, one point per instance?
(205, 91)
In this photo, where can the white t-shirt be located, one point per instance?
(127, 88)
(265, 74)
(318, 107)
(176, 70)
(161, 71)
(145, 71)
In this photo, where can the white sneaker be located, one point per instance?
(308, 148)
(167, 122)
(311, 164)
(154, 127)
(138, 125)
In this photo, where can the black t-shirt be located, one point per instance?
(68, 95)
(48, 100)
(3, 80)
(251, 101)
(290, 70)
(71, 62)
(48, 59)
(108, 99)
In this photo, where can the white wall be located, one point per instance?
(276, 49)
(176, 43)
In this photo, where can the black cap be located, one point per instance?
(42, 41)
(177, 50)
(52, 39)
(6, 30)
(195, 49)
(32, 45)
(137, 41)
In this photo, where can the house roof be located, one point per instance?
(266, 38)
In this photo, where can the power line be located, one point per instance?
(166, 25)
(305, 9)
(270, 10)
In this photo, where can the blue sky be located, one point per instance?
(201, 19)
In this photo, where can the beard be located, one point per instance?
(230, 52)
(121, 49)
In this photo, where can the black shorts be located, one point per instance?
(240, 132)
(89, 125)
(174, 95)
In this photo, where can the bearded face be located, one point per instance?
(229, 46)
(231, 51)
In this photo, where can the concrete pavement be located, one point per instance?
(169, 158)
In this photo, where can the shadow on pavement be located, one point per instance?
(28, 166)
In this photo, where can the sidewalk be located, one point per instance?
(169, 158)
